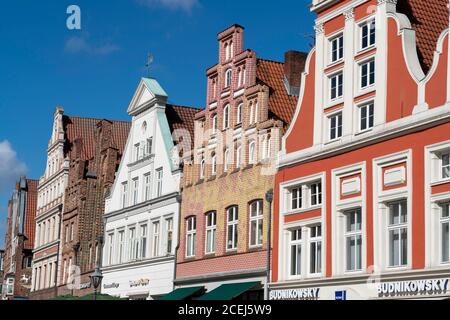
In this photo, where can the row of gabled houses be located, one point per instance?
(325, 176)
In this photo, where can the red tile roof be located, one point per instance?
(84, 129)
(182, 117)
(281, 104)
(429, 18)
(30, 213)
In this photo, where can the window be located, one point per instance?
(213, 164)
(169, 235)
(226, 160)
(232, 228)
(124, 194)
(337, 48)
(226, 117)
(367, 74)
(136, 152)
(149, 146)
(446, 166)
(297, 198)
(238, 157)
(120, 247)
(135, 191)
(72, 231)
(110, 249)
(239, 113)
(316, 194)
(211, 225)
(335, 126)
(256, 223)
(143, 244)
(132, 244)
(353, 240)
(366, 116)
(368, 34)
(159, 182)
(191, 229)
(228, 78)
(214, 124)
(315, 249)
(155, 250)
(64, 271)
(66, 231)
(202, 168)
(296, 252)
(445, 239)
(252, 153)
(266, 147)
(336, 86)
(147, 186)
(398, 234)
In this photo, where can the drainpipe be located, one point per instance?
(179, 198)
(59, 249)
(269, 199)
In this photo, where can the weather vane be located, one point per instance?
(149, 63)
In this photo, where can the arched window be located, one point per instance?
(227, 52)
(252, 114)
(239, 113)
(252, 152)
(228, 78)
(239, 77)
(226, 160)
(266, 147)
(238, 157)
(214, 124)
(213, 164)
(231, 50)
(226, 117)
(202, 167)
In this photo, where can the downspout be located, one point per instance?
(179, 198)
(269, 199)
(59, 248)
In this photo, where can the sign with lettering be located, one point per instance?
(111, 286)
(340, 295)
(86, 285)
(139, 283)
(416, 287)
(295, 294)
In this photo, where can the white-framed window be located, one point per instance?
(143, 242)
(296, 198)
(398, 234)
(316, 193)
(337, 48)
(367, 74)
(266, 146)
(156, 239)
(213, 164)
(335, 126)
(159, 182)
(232, 228)
(226, 117)
(214, 124)
(110, 249)
(353, 240)
(227, 159)
(228, 78)
(124, 193)
(445, 165)
(137, 151)
(120, 247)
(238, 157)
(315, 250)
(66, 232)
(239, 113)
(147, 186)
(368, 34)
(366, 116)
(211, 227)
(445, 239)
(202, 168)
(72, 231)
(169, 235)
(252, 152)
(256, 223)
(191, 231)
(135, 191)
(149, 147)
(336, 86)
(295, 257)
(132, 244)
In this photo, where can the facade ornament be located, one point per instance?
(394, 2)
(349, 14)
(319, 29)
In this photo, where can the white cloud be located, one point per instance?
(185, 5)
(11, 168)
(81, 45)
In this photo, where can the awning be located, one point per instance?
(229, 291)
(183, 293)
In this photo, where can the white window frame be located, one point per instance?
(124, 194)
(258, 221)
(338, 130)
(354, 235)
(202, 167)
(159, 182)
(239, 113)
(252, 152)
(339, 40)
(367, 24)
(214, 124)
(110, 249)
(226, 117)
(296, 243)
(214, 164)
(318, 241)
(169, 235)
(317, 195)
(143, 246)
(339, 88)
(398, 227)
(233, 223)
(445, 166)
(147, 187)
(120, 247)
(239, 157)
(227, 161)
(228, 78)
(131, 243)
(191, 233)
(156, 238)
(210, 232)
(368, 62)
(444, 220)
(369, 106)
(135, 191)
(299, 199)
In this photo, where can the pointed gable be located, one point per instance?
(147, 94)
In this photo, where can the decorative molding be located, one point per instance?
(349, 14)
(319, 29)
(380, 2)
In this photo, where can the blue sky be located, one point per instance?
(94, 71)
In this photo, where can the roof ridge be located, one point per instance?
(270, 60)
(98, 119)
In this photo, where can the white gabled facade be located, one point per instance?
(142, 210)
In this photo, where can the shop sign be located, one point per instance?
(340, 295)
(139, 283)
(416, 287)
(111, 286)
(86, 285)
(295, 294)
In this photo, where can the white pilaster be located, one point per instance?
(319, 82)
(349, 75)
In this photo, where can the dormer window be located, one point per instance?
(368, 36)
(337, 48)
(228, 78)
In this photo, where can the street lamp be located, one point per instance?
(269, 199)
(96, 280)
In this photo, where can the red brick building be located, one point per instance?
(223, 231)
(362, 196)
(19, 241)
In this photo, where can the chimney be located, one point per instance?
(294, 65)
